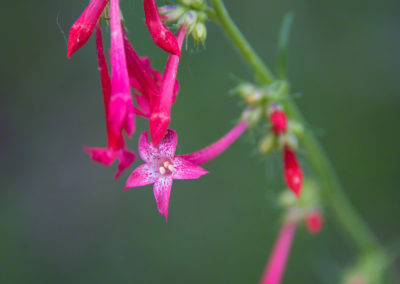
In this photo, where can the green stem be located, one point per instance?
(350, 220)
(262, 72)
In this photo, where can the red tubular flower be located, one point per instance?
(160, 34)
(115, 141)
(82, 29)
(161, 107)
(120, 107)
(144, 79)
(314, 222)
(279, 121)
(292, 170)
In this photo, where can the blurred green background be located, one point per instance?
(63, 219)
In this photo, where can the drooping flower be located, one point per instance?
(122, 114)
(278, 121)
(115, 141)
(314, 221)
(292, 170)
(82, 29)
(161, 168)
(160, 34)
(161, 108)
(275, 268)
(215, 149)
(144, 79)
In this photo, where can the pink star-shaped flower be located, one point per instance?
(161, 168)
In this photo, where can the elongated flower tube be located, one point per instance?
(160, 34)
(161, 108)
(82, 29)
(275, 268)
(121, 108)
(215, 149)
(292, 170)
(115, 140)
(161, 168)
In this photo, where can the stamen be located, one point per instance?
(166, 164)
(162, 170)
(171, 168)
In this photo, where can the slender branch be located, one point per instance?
(350, 220)
(262, 72)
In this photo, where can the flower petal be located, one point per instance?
(126, 158)
(101, 155)
(168, 144)
(184, 169)
(146, 150)
(162, 191)
(142, 175)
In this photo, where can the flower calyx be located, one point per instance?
(189, 14)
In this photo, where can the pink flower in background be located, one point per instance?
(314, 221)
(161, 168)
(161, 108)
(275, 268)
(121, 110)
(160, 34)
(292, 170)
(82, 29)
(115, 141)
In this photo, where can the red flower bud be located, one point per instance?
(292, 170)
(279, 121)
(160, 34)
(314, 221)
(82, 29)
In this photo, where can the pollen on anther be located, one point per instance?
(162, 170)
(166, 164)
(171, 168)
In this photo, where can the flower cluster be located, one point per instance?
(133, 89)
(282, 133)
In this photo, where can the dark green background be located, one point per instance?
(63, 219)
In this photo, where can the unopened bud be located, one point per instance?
(292, 171)
(171, 13)
(267, 144)
(199, 32)
(252, 115)
(296, 127)
(278, 121)
(195, 4)
(287, 199)
(314, 221)
(250, 93)
(189, 18)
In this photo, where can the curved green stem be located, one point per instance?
(349, 219)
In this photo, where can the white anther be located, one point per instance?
(171, 168)
(166, 164)
(162, 170)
